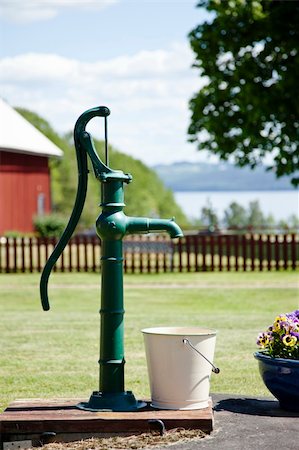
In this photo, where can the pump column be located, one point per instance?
(111, 228)
(112, 311)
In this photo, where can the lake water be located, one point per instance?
(281, 204)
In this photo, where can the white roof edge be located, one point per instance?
(32, 152)
(19, 135)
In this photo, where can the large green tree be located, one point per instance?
(249, 105)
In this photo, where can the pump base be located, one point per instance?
(111, 401)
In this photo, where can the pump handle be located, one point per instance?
(80, 137)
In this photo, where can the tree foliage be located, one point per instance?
(208, 217)
(145, 196)
(248, 107)
(237, 217)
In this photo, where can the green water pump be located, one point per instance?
(111, 226)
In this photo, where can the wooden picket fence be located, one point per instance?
(158, 253)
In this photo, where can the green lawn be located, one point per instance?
(55, 353)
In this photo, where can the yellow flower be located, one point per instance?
(277, 322)
(263, 340)
(289, 341)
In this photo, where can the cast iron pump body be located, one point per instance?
(111, 226)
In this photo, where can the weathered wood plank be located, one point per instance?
(36, 416)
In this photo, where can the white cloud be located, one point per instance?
(32, 67)
(147, 93)
(24, 11)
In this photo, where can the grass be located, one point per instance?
(55, 354)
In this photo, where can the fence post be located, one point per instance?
(7, 255)
(252, 251)
(188, 252)
(62, 262)
(14, 255)
(148, 261)
(293, 251)
(179, 247)
(77, 243)
(276, 248)
(141, 255)
(204, 250)
(23, 266)
(228, 248)
(285, 252)
(269, 253)
(236, 249)
(157, 254)
(38, 245)
(93, 251)
(244, 251)
(220, 252)
(164, 256)
(30, 256)
(125, 261)
(260, 252)
(85, 243)
(212, 251)
(133, 259)
(70, 245)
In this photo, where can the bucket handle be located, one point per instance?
(214, 368)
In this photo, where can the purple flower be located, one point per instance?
(281, 340)
(285, 326)
(296, 313)
(294, 316)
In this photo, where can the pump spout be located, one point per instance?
(145, 225)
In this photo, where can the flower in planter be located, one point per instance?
(281, 339)
(289, 340)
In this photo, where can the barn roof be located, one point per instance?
(18, 135)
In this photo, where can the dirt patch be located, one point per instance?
(140, 441)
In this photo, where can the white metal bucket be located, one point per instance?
(179, 374)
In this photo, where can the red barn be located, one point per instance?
(25, 189)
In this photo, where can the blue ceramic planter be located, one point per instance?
(281, 377)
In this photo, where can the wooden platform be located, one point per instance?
(41, 421)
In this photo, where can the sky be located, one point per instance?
(59, 58)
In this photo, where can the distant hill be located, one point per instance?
(185, 176)
(145, 196)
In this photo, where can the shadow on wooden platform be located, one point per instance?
(41, 421)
